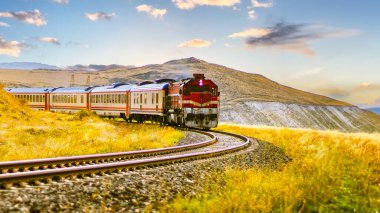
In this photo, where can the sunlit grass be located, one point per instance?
(329, 172)
(27, 134)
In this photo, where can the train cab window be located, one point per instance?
(204, 88)
(186, 91)
(214, 91)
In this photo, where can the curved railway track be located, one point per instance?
(20, 173)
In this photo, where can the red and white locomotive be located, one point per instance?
(192, 102)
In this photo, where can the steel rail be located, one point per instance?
(39, 164)
(50, 174)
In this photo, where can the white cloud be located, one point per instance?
(99, 16)
(3, 24)
(154, 12)
(229, 45)
(199, 43)
(253, 32)
(252, 15)
(49, 40)
(365, 85)
(190, 4)
(62, 1)
(12, 48)
(29, 17)
(257, 3)
(312, 72)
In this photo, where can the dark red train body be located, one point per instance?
(194, 102)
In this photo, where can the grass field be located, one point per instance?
(27, 134)
(329, 172)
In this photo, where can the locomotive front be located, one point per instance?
(200, 102)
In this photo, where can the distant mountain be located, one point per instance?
(374, 109)
(27, 66)
(96, 67)
(78, 67)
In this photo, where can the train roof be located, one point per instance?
(148, 87)
(72, 90)
(113, 88)
(29, 90)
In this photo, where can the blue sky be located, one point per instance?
(330, 47)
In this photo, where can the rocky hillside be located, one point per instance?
(245, 98)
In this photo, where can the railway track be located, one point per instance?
(19, 173)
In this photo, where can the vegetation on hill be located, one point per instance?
(329, 172)
(27, 134)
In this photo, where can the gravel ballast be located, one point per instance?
(136, 191)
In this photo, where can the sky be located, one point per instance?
(328, 47)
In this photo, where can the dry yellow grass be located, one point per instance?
(27, 134)
(329, 172)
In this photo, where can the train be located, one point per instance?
(192, 102)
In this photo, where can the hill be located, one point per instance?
(246, 98)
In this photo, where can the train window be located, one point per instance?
(140, 99)
(186, 91)
(204, 88)
(152, 98)
(156, 98)
(214, 91)
(145, 95)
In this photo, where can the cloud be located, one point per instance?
(267, 4)
(365, 85)
(3, 24)
(29, 17)
(12, 48)
(61, 1)
(199, 43)
(253, 32)
(155, 13)
(99, 16)
(49, 40)
(251, 14)
(307, 73)
(190, 4)
(291, 37)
